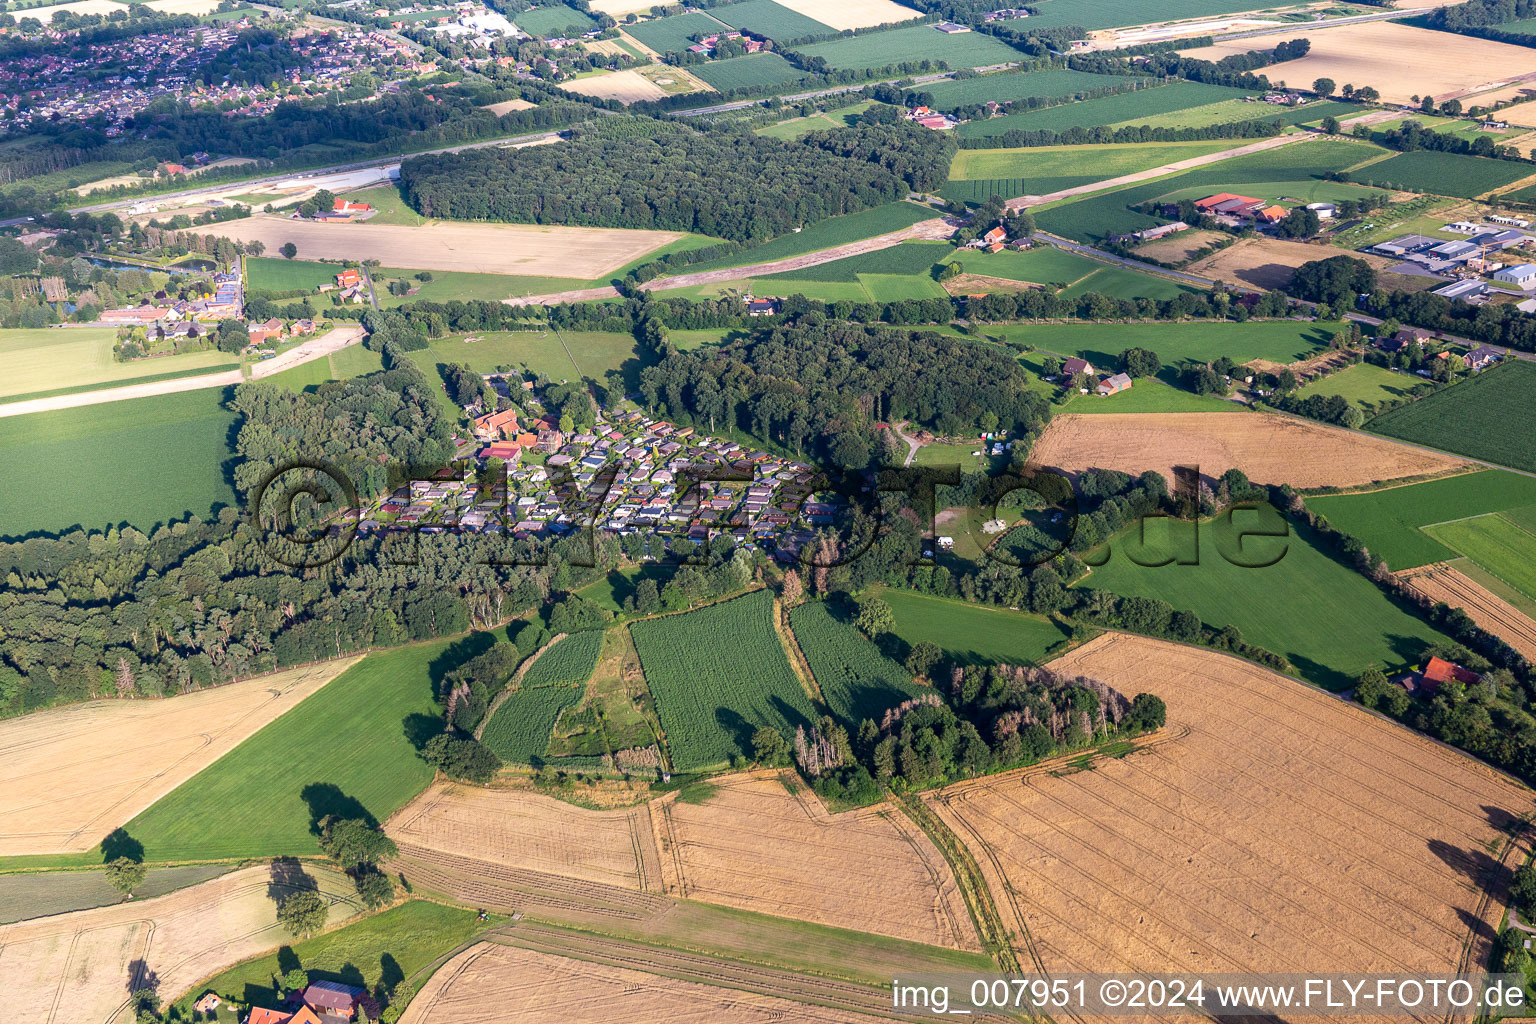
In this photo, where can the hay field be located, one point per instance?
(1271, 828)
(80, 967)
(619, 8)
(1268, 263)
(496, 984)
(71, 775)
(525, 249)
(1441, 581)
(756, 846)
(508, 106)
(1271, 449)
(45, 14)
(847, 14)
(1444, 65)
(625, 86)
(531, 832)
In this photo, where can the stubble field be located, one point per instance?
(1275, 828)
(81, 967)
(71, 775)
(1271, 449)
(1267, 263)
(1442, 581)
(584, 253)
(625, 86)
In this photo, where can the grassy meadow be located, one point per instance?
(1497, 544)
(974, 634)
(55, 360)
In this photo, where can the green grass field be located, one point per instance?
(1496, 544)
(1010, 86)
(387, 947)
(519, 730)
(1473, 417)
(831, 120)
(345, 749)
(1148, 395)
(1280, 341)
(1389, 520)
(352, 361)
(825, 234)
(554, 20)
(1364, 385)
(568, 355)
(1095, 217)
(142, 462)
(1123, 283)
(857, 680)
(266, 274)
(1233, 111)
(906, 258)
(43, 894)
(675, 34)
(1106, 110)
(905, 45)
(389, 206)
(754, 71)
(766, 18)
(1329, 621)
(1444, 174)
(1043, 264)
(901, 287)
(717, 674)
(978, 174)
(974, 634)
(58, 359)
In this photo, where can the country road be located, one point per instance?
(315, 348)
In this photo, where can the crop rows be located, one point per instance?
(519, 731)
(857, 681)
(568, 662)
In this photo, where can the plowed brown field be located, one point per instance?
(1440, 581)
(1276, 828)
(70, 776)
(757, 846)
(80, 968)
(1271, 449)
(496, 984)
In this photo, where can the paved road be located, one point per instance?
(1108, 257)
(315, 348)
(1301, 28)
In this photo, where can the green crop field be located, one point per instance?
(905, 45)
(975, 634)
(1010, 86)
(1443, 174)
(556, 20)
(53, 360)
(901, 287)
(766, 18)
(676, 34)
(388, 948)
(519, 730)
(1124, 13)
(1326, 618)
(346, 749)
(1106, 110)
(1390, 521)
(1095, 217)
(978, 174)
(832, 120)
(1041, 265)
(825, 234)
(43, 894)
(1280, 341)
(144, 461)
(1150, 396)
(717, 675)
(1364, 385)
(266, 274)
(542, 351)
(1233, 111)
(1473, 418)
(569, 662)
(1122, 283)
(857, 681)
(448, 285)
(754, 71)
(1495, 543)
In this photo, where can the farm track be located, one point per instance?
(708, 970)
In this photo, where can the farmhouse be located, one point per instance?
(344, 207)
(262, 1015)
(1076, 365)
(1113, 385)
(764, 307)
(1270, 214)
(496, 425)
(349, 278)
(333, 999)
(1522, 275)
(134, 316)
(1482, 357)
(1436, 672)
(1228, 203)
(1404, 339)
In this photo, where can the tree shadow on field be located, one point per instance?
(456, 654)
(1479, 929)
(119, 843)
(142, 978)
(420, 728)
(325, 798)
(739, 729)
(287, 960)
(287, 876)
(1505, 822)
(1479, 869)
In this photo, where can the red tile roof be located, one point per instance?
(1441, 671)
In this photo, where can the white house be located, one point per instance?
(1522, 275)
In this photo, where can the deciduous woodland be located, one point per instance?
(643, 173)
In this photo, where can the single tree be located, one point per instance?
(875, 617)
(289, 250)
(1323, 87)
(353, 843)
(302, 913)
(126, 874)
(375, 889)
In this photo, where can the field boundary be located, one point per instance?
(516, 684)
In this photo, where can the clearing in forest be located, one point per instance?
(71, 775)
(1271, 828)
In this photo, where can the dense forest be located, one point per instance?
(644, 173)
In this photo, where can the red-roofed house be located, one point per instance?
(1436, 672)
(333, 998)
(1072, 367)
(1228, 202)
(349, 278)
(503, 450)
(1271, 214)
(343, 206)
(997, 234)
(495, 426)
(262, 1015)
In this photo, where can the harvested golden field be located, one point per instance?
(1441, 581)
(625, 86)
(508, 106)
(80, 968)
(45, 14)
(1444, 65)
(532, 250)
(496, 984)
(71, 775)
(619, 8)
(757, 846)
(533, 832)
(1271, 827)
(1270, 448)
(846, 14)
(1267, 263)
